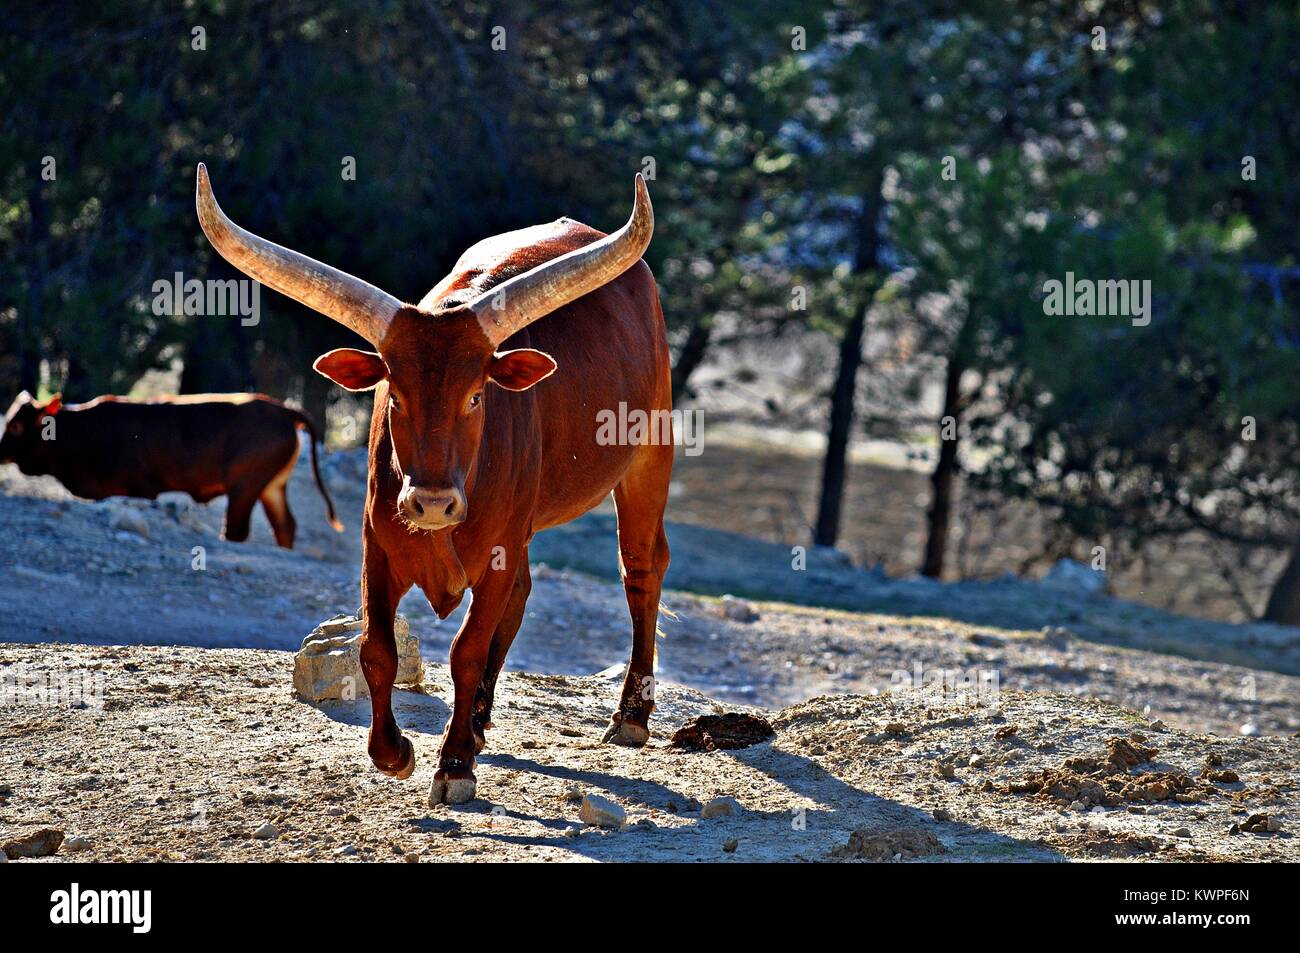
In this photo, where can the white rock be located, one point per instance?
(77, 843)
(329, 663)
(128, 520)
(1250, 729)
(267, 831)
(724, 806)
(1071, 576)
(601, 812)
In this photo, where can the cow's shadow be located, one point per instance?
(415, 711)
(835, 807)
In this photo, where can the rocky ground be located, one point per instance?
(191, 736)
(199, 754)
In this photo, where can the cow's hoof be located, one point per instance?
(451, 790)
(626, 733)
(407, 766)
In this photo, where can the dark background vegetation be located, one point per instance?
(779, 167)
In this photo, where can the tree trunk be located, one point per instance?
(691, 356)
(945, 470)
(835, 466)
(844, 393)
(1284, 601)
(940, 513)
(29, 331)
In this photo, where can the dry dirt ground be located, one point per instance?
(194, 750)
(209, 734)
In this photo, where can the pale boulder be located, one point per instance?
(328, 665)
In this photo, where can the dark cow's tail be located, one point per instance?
(305, 422)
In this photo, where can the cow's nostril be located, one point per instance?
(414, 505)
(450, 509)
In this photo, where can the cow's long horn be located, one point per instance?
(523, 299)
(336, 294)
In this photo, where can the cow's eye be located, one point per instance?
(476, 400)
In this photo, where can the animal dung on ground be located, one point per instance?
(727, 731)
(328, 665)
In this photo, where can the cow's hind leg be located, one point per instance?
(275, 502)
(502, 639)
(643, 560)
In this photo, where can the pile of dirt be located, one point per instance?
(888, 845)
(1106, 779)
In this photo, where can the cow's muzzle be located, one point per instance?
(432, 509)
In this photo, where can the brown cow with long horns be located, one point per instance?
(468, 458)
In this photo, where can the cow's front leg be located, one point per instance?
(392, 753)
(454, 781)
(507, 628)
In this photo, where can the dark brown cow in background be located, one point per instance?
(473, 450)
(206, 445)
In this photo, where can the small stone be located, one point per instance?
(724, 806)
(1250, 729)
(411, 858)
(895, 728)
(737, 610)
(347, 850)
(978, 761)
(1183, 832)
(128, 520)
(729, 846)
(267, 831)
(77, 843)
(6, 790)
(945, 770)
(942, 814)
(601, 812)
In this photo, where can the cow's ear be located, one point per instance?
(520, 369)
(352, 369)
(53, 405)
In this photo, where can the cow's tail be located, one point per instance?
(305, 422)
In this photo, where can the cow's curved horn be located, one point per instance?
(336, 294)
(523, 299)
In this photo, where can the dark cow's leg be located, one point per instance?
(502, 639)
(454, 782)
(643, 559)
(240, 500)
(380, 594)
